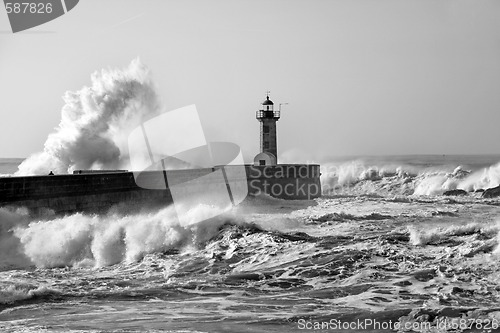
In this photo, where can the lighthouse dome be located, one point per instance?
(267, 101)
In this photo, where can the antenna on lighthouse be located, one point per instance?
(279, 107)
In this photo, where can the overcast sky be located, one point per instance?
(361, 77)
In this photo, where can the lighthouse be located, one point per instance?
(267, 117)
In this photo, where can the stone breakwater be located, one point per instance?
(99, 191)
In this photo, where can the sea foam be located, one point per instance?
(102, 240)
(360, 177)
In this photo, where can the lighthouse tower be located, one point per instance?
(267, 117)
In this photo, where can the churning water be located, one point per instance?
(383, 245)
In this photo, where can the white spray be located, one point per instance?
(96, 121)
(96, 241)
(346, 177)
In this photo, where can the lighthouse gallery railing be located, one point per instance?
(267, 114)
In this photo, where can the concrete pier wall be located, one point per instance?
(285, 181)
(97, 192)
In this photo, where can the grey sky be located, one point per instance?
(361, 77)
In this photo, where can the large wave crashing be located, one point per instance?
(100, 240)
(96, 121)
(359, 177)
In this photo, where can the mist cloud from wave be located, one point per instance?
(96, 121)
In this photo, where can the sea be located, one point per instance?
(385, 249)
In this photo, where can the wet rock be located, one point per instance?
(450, 312)
(295, 237)
(462, 292)
(403, 283)
(419, 315)
(455, 192)
(492, 192)
(240, 277)
(286, 283)
(395, 237)
(425, 275)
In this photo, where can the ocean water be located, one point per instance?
(9, 165)
(383, 251)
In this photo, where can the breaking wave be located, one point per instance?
(358, 177)
(464, 240)
(101, 240)
(439, 235)
(96, 121)
(11, 293)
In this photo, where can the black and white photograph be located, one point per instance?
(190, 166)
